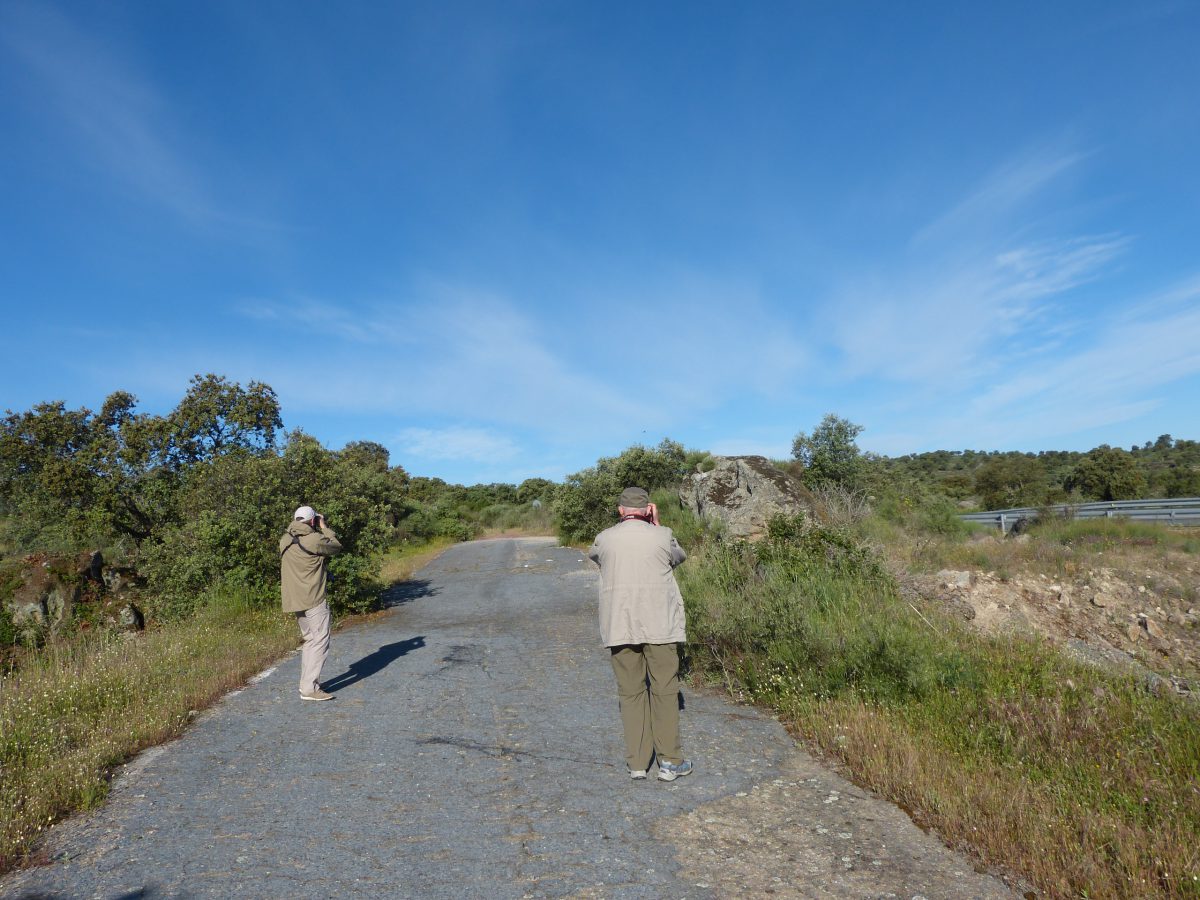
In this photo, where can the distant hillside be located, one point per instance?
(1165, 467)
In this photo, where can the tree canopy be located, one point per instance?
(830, 454)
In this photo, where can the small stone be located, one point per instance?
(954, 579)
(1152, 628)
(1101, 599)
(1141, 589)
(1134, 633)
(130, 618)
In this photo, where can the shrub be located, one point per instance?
(1011, 481)
(837, 505)
(116, 472)
(811, 603)
(940, 516)
(238, 506)
(8, 631)
(454, 528)
(535, 489)
(1108, 473)
(689, 529)
(586, 503)
(830, 455)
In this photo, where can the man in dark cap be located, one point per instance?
(641, 622)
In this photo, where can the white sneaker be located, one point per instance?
(637, 774)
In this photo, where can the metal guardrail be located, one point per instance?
(1179, 511)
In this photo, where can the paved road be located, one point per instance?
(474, 750)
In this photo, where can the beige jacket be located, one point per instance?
(302, 574)
(640, 602)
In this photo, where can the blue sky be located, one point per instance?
(504, 239)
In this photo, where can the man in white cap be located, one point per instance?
(641, 622)
(304, 552)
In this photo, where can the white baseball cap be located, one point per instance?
(306, 513)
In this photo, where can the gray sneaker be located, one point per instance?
(669, 772)
(318, 694)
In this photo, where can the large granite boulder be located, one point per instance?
(743, 493)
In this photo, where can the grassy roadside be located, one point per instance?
(1060, 548)
(399, 563)
(73, 712)
(1078, 780)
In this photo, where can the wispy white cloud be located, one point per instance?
(974, 287)
(641, 362)
(1128, 367)
(308, 316)
(1103, 381)
(984, 331)
(118, 121)
(474, 444)
(999, 194)
(444, 351)
(689, 342)
(956, 321)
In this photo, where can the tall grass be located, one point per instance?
(1081, 781)
(74, 711)
(522, 518)
(402, 560)
(77, 708)
(1062, 548)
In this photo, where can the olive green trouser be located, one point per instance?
(650, 716)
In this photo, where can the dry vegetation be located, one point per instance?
(79, 708)
(1114, 588)
(400, 562)
(72, 713)
(1080, 779)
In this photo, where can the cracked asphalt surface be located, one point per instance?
(474, 750)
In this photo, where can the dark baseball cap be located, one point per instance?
(634, 498)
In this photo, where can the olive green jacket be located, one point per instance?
(640, 602)
(303, 563)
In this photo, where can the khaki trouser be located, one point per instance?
(650, 717)
(314, 628)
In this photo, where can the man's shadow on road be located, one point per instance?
(373, 662)
(406, 592)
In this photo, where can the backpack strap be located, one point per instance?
(296, 543)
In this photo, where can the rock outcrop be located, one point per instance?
(1145, 620)
(49, 589)
(743, 493)
(56, 591)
